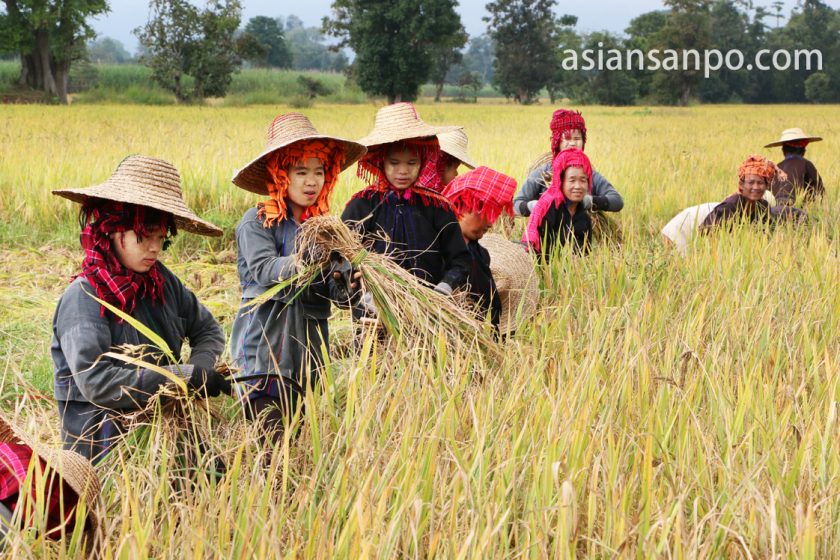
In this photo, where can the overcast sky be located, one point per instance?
(593, 15)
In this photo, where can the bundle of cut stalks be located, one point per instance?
(410, 311)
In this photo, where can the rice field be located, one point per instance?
(656, 406)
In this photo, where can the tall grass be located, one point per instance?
(656, 406)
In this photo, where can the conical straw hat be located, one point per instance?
(284, 131)
(792, 135)
(74, 469)
(515, 278)
(400, 121)
(455, 144)
(150, 182)
(539, 163)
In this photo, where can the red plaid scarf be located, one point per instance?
(553, 196)
(483, 191)
(14, 468)
(563, 121)
(429, 181)
(113, 282)
(273, 210)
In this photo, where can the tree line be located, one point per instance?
(399, 45)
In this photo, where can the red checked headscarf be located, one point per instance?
(112, 281)
(761, 166)
(553, 196)
(371, 169)
(483, 191)
(563, 121)
(331, 155)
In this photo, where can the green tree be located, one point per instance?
(567, 41)
(269, 34)
(181, 40)
(524, 34)
(687, 28)
(309, 52)
(447, 53)
(642, 36)
(611, 85)
(49, 36)
(393, 41)
(819, 89)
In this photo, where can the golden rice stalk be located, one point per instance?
(410, 311)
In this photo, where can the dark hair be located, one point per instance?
(794, 150)
(118, 216)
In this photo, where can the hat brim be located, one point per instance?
(75, 470)
(789, 140)
(539, 163)
(254, 176)
(416, 130)
(185, 219)
(515, 277)
(462, 157)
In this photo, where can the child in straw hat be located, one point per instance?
(479, 197)
(559, 217)
(401, 213)
(453, 148)
(568, 130)
(755, 176)
(127, 222)
(279, 344)
(802, 174)
(30, 472)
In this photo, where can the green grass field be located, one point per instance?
(655, 406)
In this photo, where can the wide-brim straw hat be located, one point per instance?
(515, 278)
(793, 135)
(539, 163)
(284, 131)
(400, 121)
(74, 469)
(150, 182)
(455, 144)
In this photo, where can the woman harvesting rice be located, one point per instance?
(278, 345)
(127, 222)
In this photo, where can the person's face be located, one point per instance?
(402, 167)
(135, 254)
(752, 187)
(306, 181)
(575, 184)
(474, 226)
(451, 169)
(570, 139)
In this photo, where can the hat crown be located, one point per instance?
(401, 112)
(142, 173)
(288, 128)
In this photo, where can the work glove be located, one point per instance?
(444, 289)
(207, 381)
(595, 202)
(367, 305)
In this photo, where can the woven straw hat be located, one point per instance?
(400, 121)
(515, 277)
(74, 469)
(284, 131)
(455, 144)
(539, 162)
(792, 135)
(150, 182)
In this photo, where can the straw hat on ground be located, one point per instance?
(400, 121)
(516, 280)
(150, 182)
(793, 135)
(455, 144)
(74, 469)
(284, 131)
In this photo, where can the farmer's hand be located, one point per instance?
(312, 255)
(208, 382)
(444, 289)
(595, 202)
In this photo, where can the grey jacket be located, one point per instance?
(91, 389)
(535, 185)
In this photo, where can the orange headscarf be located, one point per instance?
(761, 166)
(331, 155)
